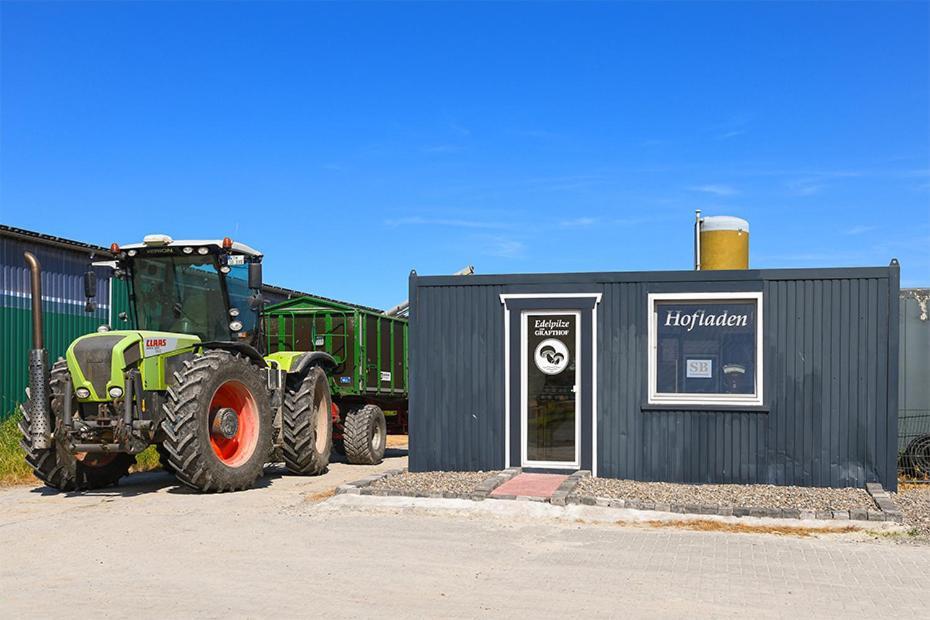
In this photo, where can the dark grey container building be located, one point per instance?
(781, 376)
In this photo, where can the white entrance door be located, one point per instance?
(550, 371)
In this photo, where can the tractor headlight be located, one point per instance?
(82, 393)
(188, 250)
(235, 325)
(132, 252)
(203, 251)
(234, 312)
(225, 269)
(115, 391)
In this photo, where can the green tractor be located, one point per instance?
(193, 379)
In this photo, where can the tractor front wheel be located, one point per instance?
(218, 424)
(307, 425)
(364, 435)
(56, 466)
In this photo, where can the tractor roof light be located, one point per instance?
(227, 243)
(157, 240)
(114, 248)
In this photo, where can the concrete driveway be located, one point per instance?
(151, 549)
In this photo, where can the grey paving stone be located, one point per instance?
(859, 514)
(841, 515)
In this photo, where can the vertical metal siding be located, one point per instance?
(827, 361)
(62, 305)
(457, 378)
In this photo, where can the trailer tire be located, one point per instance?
(307, 424)
(56, 466)
(209, 453)
(364, 435)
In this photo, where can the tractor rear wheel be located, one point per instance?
(56, 466)
(307, 425)
(364, 435)
(218, 423)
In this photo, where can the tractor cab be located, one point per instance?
(208, 288)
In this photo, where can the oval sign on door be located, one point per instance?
(551, 356)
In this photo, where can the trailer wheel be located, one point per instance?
(56, 467)
(218, 423)
(365, 435)
(307, 425)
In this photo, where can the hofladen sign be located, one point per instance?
(703, 318)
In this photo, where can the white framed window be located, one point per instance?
(705, 349)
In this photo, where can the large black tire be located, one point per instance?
(307, 425)
(164, 458)
(364, 435)
(202, 458)
(56, 466)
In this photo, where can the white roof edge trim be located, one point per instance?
(237, 247)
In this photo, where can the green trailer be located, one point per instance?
(369, 382)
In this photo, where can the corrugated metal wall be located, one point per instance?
(829, 343)
(62, 304)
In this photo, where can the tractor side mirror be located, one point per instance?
(122, 316)
(255, 276)
(90, 284)
(90, 290)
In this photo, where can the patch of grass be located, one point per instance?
(13, 466)
(745, 528)
(15, 470)
(147, 460)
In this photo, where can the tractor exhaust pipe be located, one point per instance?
(40, 426)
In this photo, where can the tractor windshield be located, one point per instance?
(186, 294)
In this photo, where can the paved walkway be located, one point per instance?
(530, 485)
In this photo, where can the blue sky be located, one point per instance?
(354, 142)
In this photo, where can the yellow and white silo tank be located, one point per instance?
(724, 242)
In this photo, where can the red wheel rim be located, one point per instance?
(235, 450)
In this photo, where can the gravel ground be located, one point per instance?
(914, 502)
(433, 481)
(736, 495)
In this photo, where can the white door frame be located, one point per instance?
(597, 300)
(576, 390)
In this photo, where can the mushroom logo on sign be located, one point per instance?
(551, 356)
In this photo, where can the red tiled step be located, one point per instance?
(530, 485)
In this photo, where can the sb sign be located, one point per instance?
(700, 369)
